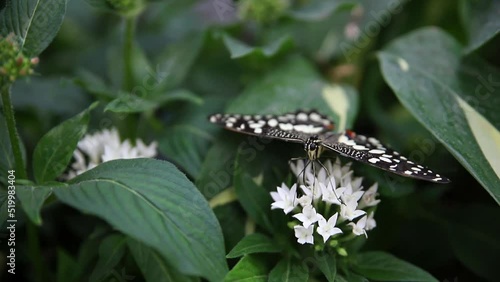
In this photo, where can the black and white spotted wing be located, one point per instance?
(314, 130)
(293, 127)
(370, 151)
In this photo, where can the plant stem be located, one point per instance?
(11, 127)
(128, 45)
(35, 252)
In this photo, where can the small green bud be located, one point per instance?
(342, 252)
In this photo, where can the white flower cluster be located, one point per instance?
(330, 197)
(105, 146)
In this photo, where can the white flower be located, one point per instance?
(303, 234)
(359, 227)
(330, 193)
(370, 222)
(104, 146)
(327, 228)
(308, 216)
(349, 211)
(368, 199)
(349, 196)
(285, 198)
(313, 191)
(305, 200)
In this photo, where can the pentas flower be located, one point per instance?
(331, 203)
(104, 146)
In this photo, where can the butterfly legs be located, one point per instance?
(302, 172)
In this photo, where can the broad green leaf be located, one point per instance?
(481, 20)
(186, 145)
(232, 220)
(129, 103)
(32, 199)
(253, 197)
(66, 266)
(453, 97)
(386, 267)
(317, 10)
(153, 265)
(254, 243)
(34, 22)
(111, 251)
(481, 257)
(289, 271)
(249, 268)
(175, 62)
(239, 49)
(54, 151)
(95, 84)
(292, 85)
(327, 263)
(163, 210)
(49, 96)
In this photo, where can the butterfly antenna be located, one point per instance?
(330, 180)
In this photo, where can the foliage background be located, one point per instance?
(421, 76)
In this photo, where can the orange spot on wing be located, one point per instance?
(351, 134)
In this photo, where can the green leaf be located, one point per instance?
(481, 20)
(232, 220)
(32, 199)
(66, 266)
(317, 10)
(35, 22)
(54, 151)
(153, 202)
(454, 98)
(174, 63)
(254, 243)
(239, 49)
(153, 265)
(7, 161)
(185, 145)
(328, 265)
(49, 96)
(288, 271)
(481, 257)
(293, 85)
(129, 103)
(111, 251)
(386, 267)
(254, 198)
(4, 204)
(249, 268)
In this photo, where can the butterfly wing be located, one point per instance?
(370, 151)
(293, 127)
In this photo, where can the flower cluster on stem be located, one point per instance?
(105, 146)
(327, 203)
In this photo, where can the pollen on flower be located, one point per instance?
(331, 203)
(103, 146)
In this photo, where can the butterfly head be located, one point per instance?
(313, 147)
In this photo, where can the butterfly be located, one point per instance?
(315, 132)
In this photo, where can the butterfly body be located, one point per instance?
(315, 132)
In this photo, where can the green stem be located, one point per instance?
(11, 127)
(128, 45)
(35, 253)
